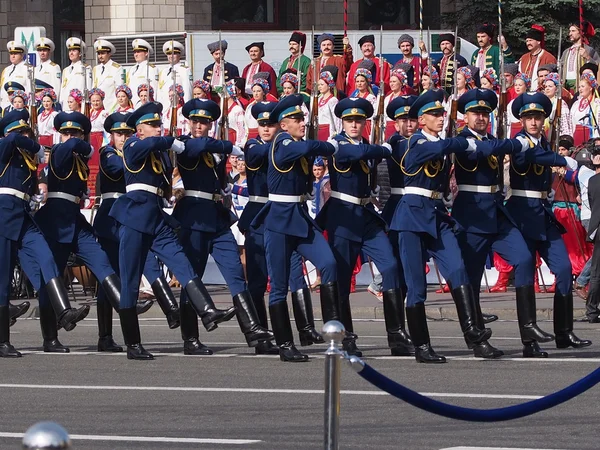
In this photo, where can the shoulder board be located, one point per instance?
(52, 63)
(114, 64)
(152, 65)
(184, 66)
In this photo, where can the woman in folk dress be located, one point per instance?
(124, 95)
(551, 86)
(327, 101)
(586, 109)
(48, 136)
(183, 126)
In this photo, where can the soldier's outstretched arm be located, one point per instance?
(350, 153)
(62, 154)
(290, 150)
(537, 155)
(111, 163)
(18, 140)
(195, 147)
(256, 152)
(422, 150)
(136, 150)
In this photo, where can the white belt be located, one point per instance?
(258, 199)
(109, 195)
(14, 193)
(203, 195)
(144, 187)
(360, 201)
(64, 196)
(476, 188)
(423, 192)
(278, 198)
(529, 194)
(397, 191)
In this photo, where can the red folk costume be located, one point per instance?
(342, 62)
(417, 62)
(386, 68)
(252, 69)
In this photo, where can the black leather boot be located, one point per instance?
(50, 331)
(483, 349)
(106, 342)
(6, 348)
(16, 311)
(305, 319)
(531, 349)
(131, 333)
(330, 305)
(112, 289)
(167, 302)
(264, 347)
(200, 299)
(417, 325)
(526, 315)
(59, 299)
(280, 321)
(489, 318)
(248, 320)
(563, 323)
(190, 333)
(464, 300)
(399, 341)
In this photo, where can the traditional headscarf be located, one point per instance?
(490, 75)
(77, 95)
(145, 87)
(263, 83)
(469, 80)
(290, 78)
(124, 88)
(400, 74)
(96, 91)
(204, 85)
(590, 79)
(19, 93)
(435, 76)
(524, 78)
(327, 78)
(365, 73)
(48, 93)
(179, 90)
(553, 77)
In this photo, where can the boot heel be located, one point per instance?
(305, 339)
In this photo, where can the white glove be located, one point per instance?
(472, 145)
(551, 195)
(312, 195)
(41, 155)
(375, 192)
(217, 158)
(524, 143)
(168, 204)
(227, 191)
(334, 143)
(237, 151)
(448, 200)
(178, 146)
(37, 198)
(388, 147)
(86, 194)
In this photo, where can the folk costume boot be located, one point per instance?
(200, 299)
(167, 301)
(280, 321)
(263, 347)
(417, 326)
(305, 319)
(131, 333)
(502, 282)
(6, 348)
(111, 286)
(59, 299)
(464, 300)
(106, 342)
(190, 333)
(50, 331)
(248, 320)
(563, 323)
(399, 341)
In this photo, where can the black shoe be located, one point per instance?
(486, 350)
(59, 299)
(107, 344)
(466, 308)
(8, 351)
(199, 297)
(16, 311)
(399, 341)
(425, 354)
(194, 347)
(532, 350)
(403, 351)
(569, 339)
(138, 352)
(563, 323)
(266, 348)
(6, 348)
(143, 306)
(50, 332)
(289, 353)
(594, 319)
(167, 302)
(54, 346)
(248, 320)
(526, 315)
(489, 318)
(349, 346)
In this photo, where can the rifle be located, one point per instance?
(313, 122)
(378, 121)
(223, 129)
(86, 96)
(429, 64)
(174, 100)
(555, 124)
(33, 113)
(451, 127)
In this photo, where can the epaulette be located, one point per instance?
(183, 65)
(52, 63)
(117, 65)
(152, 65)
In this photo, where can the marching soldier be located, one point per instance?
(425, 228)
(297, 61)
(212, 72)
(206, 223)
(20, 235)
(77, 75)
(287, 224)
(145, 226)
(143, 72)
(446, 64)
(530, 181)
(107, 74)
(353, 225)
(183, 74)
(256, 157)
(17, 71)
(327, 58)
(47, 70)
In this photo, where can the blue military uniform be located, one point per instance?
(288, 227)
(424, 226)
(256, 158)
(530, 182)
(353, 225)
(144, 226)
(206, 223)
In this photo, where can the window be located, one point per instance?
(254, 14)
(398, 14)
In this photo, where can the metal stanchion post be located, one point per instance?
(46, 435)
(333, 333)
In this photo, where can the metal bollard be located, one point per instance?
(46, 435)
(333, 333)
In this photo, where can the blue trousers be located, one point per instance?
(279, 248)
(508, 243)
(224, 250)
(35, 257)
(133, 253)
(554, 253)
(414, 250)
(256, 265)
(393, 238)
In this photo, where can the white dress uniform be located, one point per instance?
(183, 76)
(141, 73)
(47, 71)
(75, 76)
(108, 76)
(18, 73)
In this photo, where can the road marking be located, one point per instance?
(491, 448)
(256, 391)
(100, 437)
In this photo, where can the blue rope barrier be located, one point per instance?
(471, 414)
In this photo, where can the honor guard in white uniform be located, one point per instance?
(16, 71)
(76, 75)
(107, 74)
(143, 72)
(183, 75)
(47, 70)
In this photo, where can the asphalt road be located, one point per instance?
(235, 399)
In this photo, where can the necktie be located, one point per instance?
(13, 69)
(170, 70)
(137, 66)
(102, 72)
